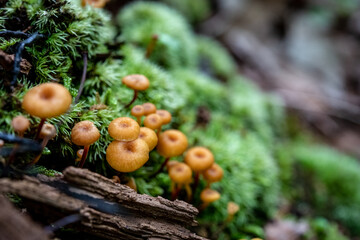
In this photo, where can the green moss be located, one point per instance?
(215, 59)
(176, 45)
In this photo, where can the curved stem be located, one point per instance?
(84, 155)
(161, 168)
(41, 124)
(175, 192)
(203, 206)
(43, 145)
(151, 46)
(158, 131)
(83, 77)
(133, 100)
(188, 192)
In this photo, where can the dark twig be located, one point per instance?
(132, 100)
(17, 34)
(62, 223)
(83, 77)
(18, 55)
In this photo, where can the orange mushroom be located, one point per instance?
(127, 156)
(131, 184)
(138, 111)
(124, 129)
(213, 174)
(181, 175)
(232, 209)
(46, 100)
(20, 124)
(208, 196)
(149, 136)
(48, 131)
(94, 3)
(136, 82)
(84, 133)
(199, 159)
(165, 118)
(153, 121)
(149, 108)
(79, 154)
(171, 143)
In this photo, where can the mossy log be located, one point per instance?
(81, 191)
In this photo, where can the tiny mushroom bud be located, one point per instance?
(138, 111)
(127, 156)
(171, 143)
(153, 121)
(79, 154)
(181, 175)
(46, 100)
(116, 179)
(149, 136)
(213, 174)
(208, 196)
(48, 131)
(84, 133)
(124, 129)
(199, 159)
(20, 124)
(2, 143)
(136, 82)
(232, 209)
(149, 108)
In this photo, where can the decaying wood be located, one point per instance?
(17, 226)
(140, 216)
(7, 62)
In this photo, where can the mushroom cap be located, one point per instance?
(79, 153)
(199, 158)
(232, 208)
(213, 173)
(165, 116)
(124, 129)
(47, 100)
(149, 108)
(137, 111)
(153, 121)
(84, 133)
(20, 123)
(127, 156)
(47, 131)
(209, 195)
(180, 173)
(94, 3)
(172, 143)
(136, 81)
(171, 163)
(149, 136)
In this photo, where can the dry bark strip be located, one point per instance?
(142, 216)
(17, 226)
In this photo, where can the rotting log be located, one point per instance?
(17, 226)
(107, 209)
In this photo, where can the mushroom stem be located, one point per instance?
(138, 119)
(83, 78)
(175, 192)
(151, 46)
(161, 168)
(83, 157)
(43, 144)
(203, 206)
(196, 181)
(41, 124)
(158, 131)
(188, 192)
(133, 100)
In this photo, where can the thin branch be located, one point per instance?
(83, 77)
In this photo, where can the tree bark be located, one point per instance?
(109, 210)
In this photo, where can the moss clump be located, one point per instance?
(176, 45)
